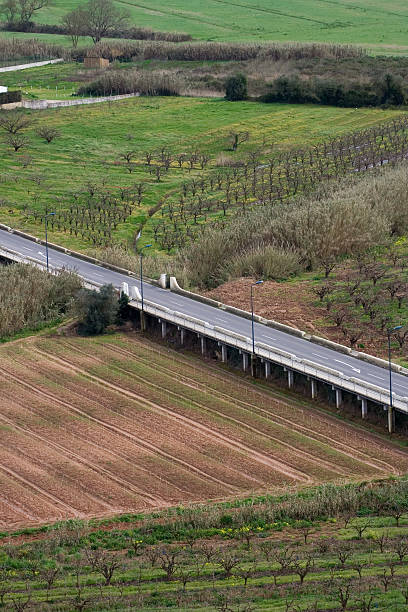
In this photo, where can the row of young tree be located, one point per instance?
(256, 181)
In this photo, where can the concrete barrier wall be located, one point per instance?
(31, 65)
(42, 104)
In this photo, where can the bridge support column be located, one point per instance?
(163, 329)
(290, 379)
(203, 345)
(313, 384)
(391, 420)
(364, 409)
(182, 335)
(224, 354)
(267, 369)
(339, 398)
(245, 361)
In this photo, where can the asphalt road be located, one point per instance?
(350, 366)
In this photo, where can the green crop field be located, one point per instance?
(93, 138)
(253, 554)
(381, 26)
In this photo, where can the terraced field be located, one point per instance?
(91, 427)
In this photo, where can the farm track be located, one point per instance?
(229, 442)
(137, 441)
(192, 383)
(355, 454)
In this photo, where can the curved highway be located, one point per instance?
(276, 339)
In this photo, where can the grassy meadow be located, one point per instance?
(377, 25)
(93, 138)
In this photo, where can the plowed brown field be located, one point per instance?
(115, 424)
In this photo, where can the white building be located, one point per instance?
(3, 89)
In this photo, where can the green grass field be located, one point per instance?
(381, 26)
(93, 137)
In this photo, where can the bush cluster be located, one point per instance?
(116, 82)
(390, 90)
(30, 298)
(216, 51)
(7, 97)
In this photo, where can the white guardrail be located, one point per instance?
(275, 355)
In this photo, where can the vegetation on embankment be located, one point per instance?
(31, 299)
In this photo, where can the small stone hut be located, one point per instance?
(95, 62)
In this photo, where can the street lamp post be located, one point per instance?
(390, 412)
(252, 316)
(46, 233)
(141, 285)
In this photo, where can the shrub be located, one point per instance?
(236, 88)
(97, 310)
(7, 97)
(126, 82)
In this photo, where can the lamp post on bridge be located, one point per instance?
(252, 326)
(390, 409)
(47, 214)
(142, 325)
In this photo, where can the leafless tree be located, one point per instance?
(344, 594)
(303, 567)
(104, 562)
(343, 554)
(382, 540)
(361, 528)
(169, 561)
(48, 133)
(228, 561)
(14, 122)
(74, 23)
(387, 577)
(17, 141)
(237, 138)
(21, 11)
(101, 17)
(400, 547)
(49, 575)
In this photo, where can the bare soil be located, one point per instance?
(294, 304)
(96, 427)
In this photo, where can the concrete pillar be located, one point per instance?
(267, 369)
(290, 379)
(163, 281)
(182, 335)
(224, 353)
(163, 329)
(364, 408)
(391, 420)
(245, 361)
(339, 398)
(313, 388)
(203, 345)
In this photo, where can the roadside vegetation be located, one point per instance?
(31, 298)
